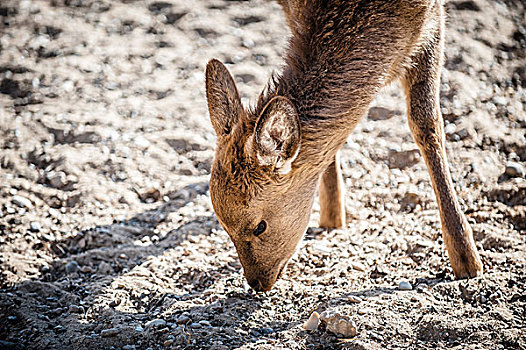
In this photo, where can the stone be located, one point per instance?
(404, 285)
(381, 113)
(403, 159)
(110, 332)
(313, 322)
(21, 201)
(104, 268)
(450, 129)
(156, 323)
(34, 226)
(75, 309)
(358, 266)
(410, 200)
(57, 179)
(354, 299)
(514, 169)
(72, 266)
(338, 324)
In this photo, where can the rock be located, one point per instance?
(381, 113)
(86, 269)
(115, 302)
(57, 179)
(404, 285)
(403, 159)
(266, 331)
(358, 266)
(354, 299)
(21, 201)
(74, 199)
(75, 309)
(450, 129)
(7, 345)
(313, 322)
(205, 323)
(72, 266)
(156, 323)
(195, 325)
(151, 195)
(34, 226)
(141, 142)
(338, 324)
(110, 332)
(104, 268)
(139, 329)
(514, 169)
(410, 200)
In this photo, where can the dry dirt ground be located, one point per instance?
(107, 236)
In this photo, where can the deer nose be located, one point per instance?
(255, 284)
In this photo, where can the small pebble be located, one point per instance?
(205, 323)
(450, 129)
(156, 323)
(358, 266)
(72, 266)
(75, 309)
(405, 286)
(266, 331)
(34, 226)
(115, 302)
(58, 179)
(86, 269)
(139, 329)
(183, 319)
(110, 332)
(514, 169)
(195, 325)
(21, 201)
(313, 322)
(354, 299)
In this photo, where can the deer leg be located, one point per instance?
(421, 84)
(331, 195)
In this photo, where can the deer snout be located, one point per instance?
(264, 283)
(256, 285)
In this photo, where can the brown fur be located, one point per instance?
(341, 53)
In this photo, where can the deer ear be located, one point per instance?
(277, 135)
(224, 103)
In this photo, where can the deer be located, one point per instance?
(272, 158)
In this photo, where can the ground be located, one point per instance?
(107, 235)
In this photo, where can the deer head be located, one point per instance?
(259, 196)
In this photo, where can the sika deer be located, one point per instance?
(269, 160)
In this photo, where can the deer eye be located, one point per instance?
(262, 226)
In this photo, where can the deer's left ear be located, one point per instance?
(277, 135)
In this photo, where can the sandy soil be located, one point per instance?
(107, 236)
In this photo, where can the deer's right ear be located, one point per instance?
(224, 103)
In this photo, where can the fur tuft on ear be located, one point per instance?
(224, 103)
(277, 135)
